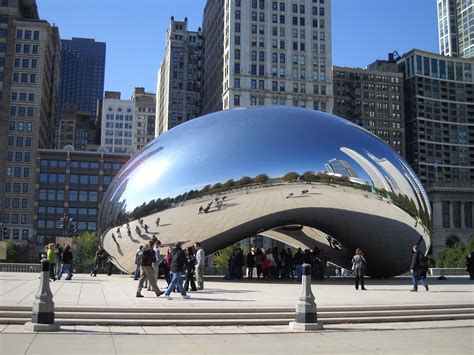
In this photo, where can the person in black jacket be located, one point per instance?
(251, 262)
(67, 263)
(190, 268)
(149, 257)
(418, 265)
(178, 262)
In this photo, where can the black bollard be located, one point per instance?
(42, 318)
(306, 317)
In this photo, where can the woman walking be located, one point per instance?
(358, 266)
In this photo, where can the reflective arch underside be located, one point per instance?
(238, 178)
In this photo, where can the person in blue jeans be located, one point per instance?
(178, 262)
(67, 264)
(298, 262)
(418, 267)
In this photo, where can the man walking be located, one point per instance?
(418, 266)
(138, 262)
(66, 266)
(178, 262)
(149, 257)
(199, 265)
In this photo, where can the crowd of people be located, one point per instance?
(276, 264)
(150, 265)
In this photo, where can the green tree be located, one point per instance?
(15, 252)
(455, 255)
(291, 176)
(260, 179)
(221, 259)
(84, 248)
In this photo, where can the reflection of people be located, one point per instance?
(157, 222)
(200, 209)
(358, 266)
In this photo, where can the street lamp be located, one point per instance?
(68, 226)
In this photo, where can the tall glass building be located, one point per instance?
(82, 75)
(456, 28)
(439, 112)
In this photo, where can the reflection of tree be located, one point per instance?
(260, 179)
(244, 180)
(229, 184)
(291, 176)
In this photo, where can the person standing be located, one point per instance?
(418, 264)
(190, 267)
(251, 262)
(178, 262)
(298, 261)
(157, 262)
(138, 262)
(58, 252)
(259, 256)
(51, 256)
(67, 263)
(149, 256)
(100, 255)
(470, 265)
(200, 256)
(358, 266)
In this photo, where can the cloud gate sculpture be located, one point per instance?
(303, 177)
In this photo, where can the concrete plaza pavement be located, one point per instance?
(435, 337)
(119, 291)
(446, 339)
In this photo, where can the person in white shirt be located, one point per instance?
(199, 265)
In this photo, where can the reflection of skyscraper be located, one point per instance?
(342, 167)
(378, 180)
(402, 184)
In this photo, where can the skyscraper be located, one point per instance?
(117, 123)
(145, 118)
(439, 101)
(179, 87)
(213, 49)
(82, 75)
(373, 98)
(456, 28)
(273, 53)
(29, 57)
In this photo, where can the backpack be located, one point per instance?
(423, 261)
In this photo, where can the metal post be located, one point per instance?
(306, 317)
(42, 318)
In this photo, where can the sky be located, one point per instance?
(135, 31)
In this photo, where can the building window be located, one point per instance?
(236, 100)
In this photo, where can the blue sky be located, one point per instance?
(134, 30)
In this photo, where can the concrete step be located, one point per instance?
(170, 308)
(237, 315)
(211, 322)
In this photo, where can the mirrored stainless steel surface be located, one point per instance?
(230, 175)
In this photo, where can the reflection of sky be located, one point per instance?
(246, 142)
